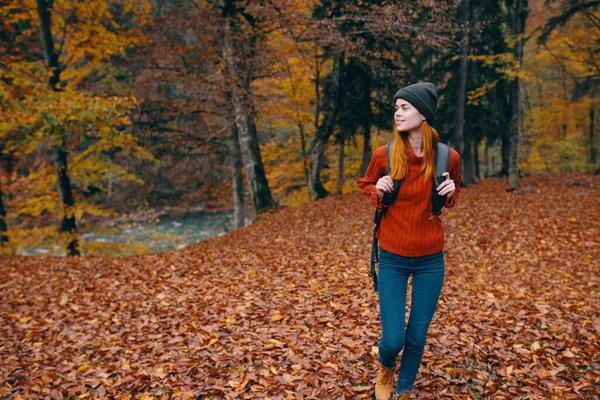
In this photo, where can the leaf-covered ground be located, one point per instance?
(284, 308)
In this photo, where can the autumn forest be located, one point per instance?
(264, 114)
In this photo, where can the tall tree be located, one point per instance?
(464, 149)
(59, 114)
(325, 128)
(237, 177)
(518, 20)
(240, 69)
(59, 152)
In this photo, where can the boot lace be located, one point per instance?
(401, 396)
(387, 376)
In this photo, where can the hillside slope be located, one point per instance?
(284, 308)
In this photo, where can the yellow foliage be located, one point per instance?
(556, 124)
(89, 42)
(85, 124)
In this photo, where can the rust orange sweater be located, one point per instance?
(405, 228)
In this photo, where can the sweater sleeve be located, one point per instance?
(455, 175)
(375, 171)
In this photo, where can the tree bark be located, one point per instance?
(513, 164)
(304, 163)
(3, 225)
(463, 146)
(503, 97)
(505, 153)
(488, 171)
(237, 178)
(468, 164)
(593, 155)
(519, 17)
(476, 159)
(462, 84)
(50, 56)
(367, 153)
(324, 130)
(340, 180)
(244, 114)
(302, 136)
(65, 192)
(59, 152)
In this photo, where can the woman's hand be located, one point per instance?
(384, 184)
(447, 187)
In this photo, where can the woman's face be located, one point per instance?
(407, 117)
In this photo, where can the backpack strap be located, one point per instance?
(442, 160)
(388, 199)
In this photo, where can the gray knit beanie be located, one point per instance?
(422, 96)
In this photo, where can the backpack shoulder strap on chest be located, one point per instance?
(388, 199)
(442, 160)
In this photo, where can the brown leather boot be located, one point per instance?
(401, 396)
(383, 387)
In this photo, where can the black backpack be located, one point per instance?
(442, 159)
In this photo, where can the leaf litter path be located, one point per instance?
(284, 308)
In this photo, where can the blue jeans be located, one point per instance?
(428, 276)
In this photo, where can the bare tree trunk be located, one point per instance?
(505, 154)
(301, 130)
(50, 56)
(513, 164)
(324, 130)
(593, 154)
(244, 115)
(65, 192)
(519, 18)
(476, 159)
(340, 180)
(503, 97)
(237, 178)
(3, 225)
(488, 170)
(304, 163)
(59, 152)
(255, 173)
(462, 86)
(468, 164)
(367, 153)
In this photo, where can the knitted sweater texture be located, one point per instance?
(406, 228)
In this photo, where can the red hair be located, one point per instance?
(399, 164)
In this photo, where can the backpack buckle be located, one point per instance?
(437, 214)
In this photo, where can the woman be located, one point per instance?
(411, 239)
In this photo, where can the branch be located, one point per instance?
(562, 19)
